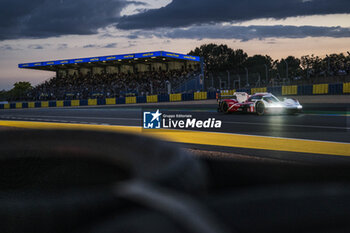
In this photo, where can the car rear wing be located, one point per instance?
(239, 96)
(220, 96)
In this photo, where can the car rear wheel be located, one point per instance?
(260, 108)
(220, 107)
(224, 107)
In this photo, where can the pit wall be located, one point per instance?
(316, 89)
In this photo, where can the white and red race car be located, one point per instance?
(259, 103)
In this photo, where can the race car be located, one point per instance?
(259, 103)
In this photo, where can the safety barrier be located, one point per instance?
(346, 87)
(187, 96)
(130, 100)
(316, 89)
(18, 105)
(290, 90)
(305, 90)
(111, 101)
(228, 92)
(92, 101)
(121, 100)
(247, 90)
(200, 95)
(334, 89)
(83, 102)
(75, 103)
(45, 104)
(175, 97)
(275, 90)
(152, 98)
(163, 98)
(258, 90)
(141, 99)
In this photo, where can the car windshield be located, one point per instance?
(270, 99)
(255, 98)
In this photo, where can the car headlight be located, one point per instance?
(275, 106)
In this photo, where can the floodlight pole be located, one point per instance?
(247, 76)
(286, 68)
(239, 81)
(228, 79)
(266, 74)
(202, 65)
(328, 65)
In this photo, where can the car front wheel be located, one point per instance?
(260, 108)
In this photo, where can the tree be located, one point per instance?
(294, 68)
(20, 90)
(256, 64)
(313, 65)
(3, 95)
(219, 58)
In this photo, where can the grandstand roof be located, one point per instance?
(158, 56)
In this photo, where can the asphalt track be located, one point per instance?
(319, 122)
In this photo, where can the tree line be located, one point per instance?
(221, 58)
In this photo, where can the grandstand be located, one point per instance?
(137, 74)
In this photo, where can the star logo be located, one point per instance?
(156, 115)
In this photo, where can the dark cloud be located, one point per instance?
(47, 18)
(110, 46)
(181, 13)
(35, 46)
(245, 33)
(7, 47)
(88, 46)
(106, 46)
(62, 46)
(132, 37)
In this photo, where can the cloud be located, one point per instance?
(7, 47)
(51, 18)
(180, 13)
(62, 46)
(106, 46)
(109, 46)
(88, 46)
(35, 46)
(246, 33)
(48, 18)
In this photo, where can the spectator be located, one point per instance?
(79, 86)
